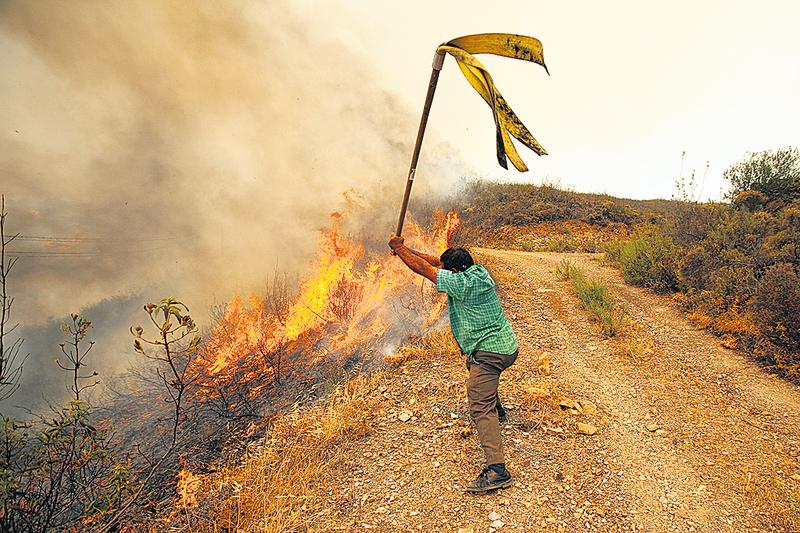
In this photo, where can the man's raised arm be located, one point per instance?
(424, 266)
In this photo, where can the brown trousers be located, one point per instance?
(484, 377)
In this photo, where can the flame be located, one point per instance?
(351, 300)
(187, 487)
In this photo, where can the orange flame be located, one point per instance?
(188, 485)
(350, 300)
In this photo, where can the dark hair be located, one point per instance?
(457, 258)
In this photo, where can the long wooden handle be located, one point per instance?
(438, 62)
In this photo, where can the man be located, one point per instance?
(483, 334)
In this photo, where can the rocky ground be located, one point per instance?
(661, 429)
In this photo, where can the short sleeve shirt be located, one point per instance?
(476, 315)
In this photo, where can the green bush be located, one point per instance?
(647, 260)
(613, 251)
(565, 270)
(774, 173)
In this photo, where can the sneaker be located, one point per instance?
(490, 480)
(501, 414)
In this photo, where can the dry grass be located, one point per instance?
(778, 500)
(541, 398)
(435, 344)
(636, 344)
(595, 297)
(279, 488)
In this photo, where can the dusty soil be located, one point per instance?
(690, 436)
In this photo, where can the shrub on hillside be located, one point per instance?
(607, 212)
(491, 205)
(696, 269)
(741, 239)
(777, 305)
(648, 260)
(751, 200)
(775, 173)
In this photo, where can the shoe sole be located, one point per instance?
(503, 485)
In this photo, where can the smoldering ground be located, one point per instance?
(154, 148)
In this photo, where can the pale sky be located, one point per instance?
(633, 84)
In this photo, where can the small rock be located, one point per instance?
(497, 524)
(413, 513)
(588, 407)
(566, 403)
(454, 415)
(795, 477)
(405, 416)
(652, 426)
(586, 429)
(660, 432)
(494, 516)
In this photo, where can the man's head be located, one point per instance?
(456, 259)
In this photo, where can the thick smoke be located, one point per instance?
(190, 147)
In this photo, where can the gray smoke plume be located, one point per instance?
(181, 148)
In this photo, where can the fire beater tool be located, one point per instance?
(463, 50)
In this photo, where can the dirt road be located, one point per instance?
(690, 436)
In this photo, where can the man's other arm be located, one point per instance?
(431, 259)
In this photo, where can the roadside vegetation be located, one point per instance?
(596, 298)
(734, 266)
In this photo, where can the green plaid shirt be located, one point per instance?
(476, 316)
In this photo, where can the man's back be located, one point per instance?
(476, 315)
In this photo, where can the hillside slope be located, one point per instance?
(690, 436)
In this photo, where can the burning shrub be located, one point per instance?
(344, 299)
